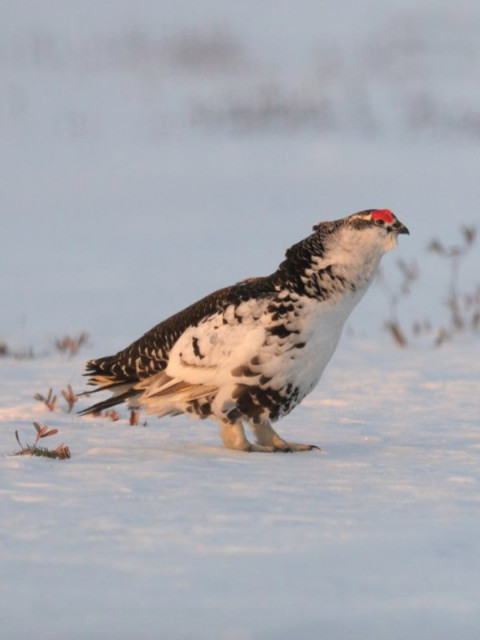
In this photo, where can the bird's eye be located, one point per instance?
(380, 222)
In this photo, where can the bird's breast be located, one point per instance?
(297, 350)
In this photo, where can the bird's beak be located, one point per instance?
(398, 227)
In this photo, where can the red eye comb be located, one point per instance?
(383, 214)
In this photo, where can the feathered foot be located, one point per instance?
(296, 446)
(268, 440)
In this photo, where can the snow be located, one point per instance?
(158, 531)
(137, 178)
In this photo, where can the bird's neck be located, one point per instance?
(321, 270)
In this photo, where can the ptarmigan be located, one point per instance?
(251, 352)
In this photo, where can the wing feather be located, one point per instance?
(189, 348)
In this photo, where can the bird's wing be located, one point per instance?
(192, 328)
(206, 357)
(205, 353)
(187, 357)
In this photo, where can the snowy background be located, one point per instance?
(154, 151)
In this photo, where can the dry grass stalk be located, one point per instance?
(50, 401)
(396, 332)
(70, 397)
(464, 309)
(410, 273)
(71, 345)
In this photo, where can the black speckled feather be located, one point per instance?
(149, 354)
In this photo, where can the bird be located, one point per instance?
(250, 353)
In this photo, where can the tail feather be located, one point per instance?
(162, 395)
(158, 394)
(110, 402)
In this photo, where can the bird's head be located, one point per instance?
(373, 229)
(378, 225)
(353, 245)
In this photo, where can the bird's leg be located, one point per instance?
(233, 436)
(269, 439)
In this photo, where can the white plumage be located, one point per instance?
(251, 352)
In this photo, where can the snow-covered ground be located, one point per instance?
(158, 531)
(154, 151)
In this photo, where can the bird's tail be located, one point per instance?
(119, 396)
(158, 394)
(162, 395)
(104, 377)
